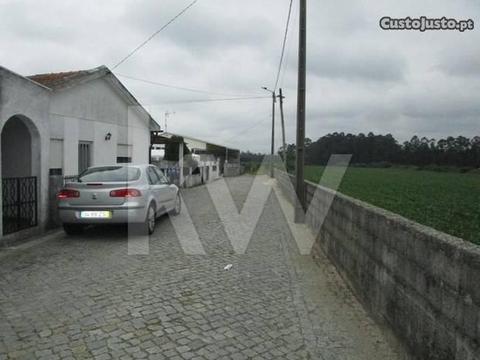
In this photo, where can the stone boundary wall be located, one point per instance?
(423, 283)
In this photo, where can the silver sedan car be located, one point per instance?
(117, 194)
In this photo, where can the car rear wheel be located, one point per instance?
(151, 219)
(177, 207)
(73, 229)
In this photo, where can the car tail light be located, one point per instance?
(68, 194)
(125, 193)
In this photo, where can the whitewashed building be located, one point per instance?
(60, 124)
(189, 161)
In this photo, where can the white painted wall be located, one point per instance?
(56, 154)
(90, 111)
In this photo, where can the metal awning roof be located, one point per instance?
(171, 138)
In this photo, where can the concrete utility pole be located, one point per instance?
(274, 100)
(302, 82)
(281, 97)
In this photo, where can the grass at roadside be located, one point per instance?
(449, 202)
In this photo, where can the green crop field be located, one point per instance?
(449, 202)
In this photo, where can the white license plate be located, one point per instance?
(96, 214)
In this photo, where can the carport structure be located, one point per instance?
(179, 146)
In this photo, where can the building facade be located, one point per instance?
(60, 124)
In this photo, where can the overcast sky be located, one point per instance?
(360, 78)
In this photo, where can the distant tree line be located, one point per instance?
(369, 149)
(385, 150)
(251, 161)
(251, 157)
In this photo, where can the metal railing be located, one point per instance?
(19, 204)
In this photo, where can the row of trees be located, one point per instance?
(452, 151)
(385, 149)
(367, 149)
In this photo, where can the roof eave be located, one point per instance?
(25, 78)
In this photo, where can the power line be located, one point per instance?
(288, 50)
(70, 116)
(216, 100)
(253, 126)
(174, 86)
(249, 128)
(154, 34)
(284, 44)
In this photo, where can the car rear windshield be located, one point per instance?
(110, 174)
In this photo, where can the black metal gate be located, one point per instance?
(19, 203)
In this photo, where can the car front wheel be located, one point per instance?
(177, 207)
(73, 229)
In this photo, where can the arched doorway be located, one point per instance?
(20, 154)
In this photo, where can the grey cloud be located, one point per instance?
(447, 105)
(458, 63)
(360, 78)
(205, 29)
(32, 27)
(365, 65)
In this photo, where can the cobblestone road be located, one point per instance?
(85, 297)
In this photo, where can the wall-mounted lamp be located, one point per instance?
(108, 137)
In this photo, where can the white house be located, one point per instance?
(194, 161)
(62, 123)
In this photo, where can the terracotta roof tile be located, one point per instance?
(60, 79)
